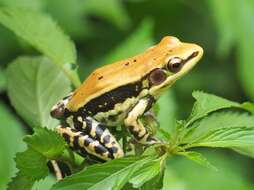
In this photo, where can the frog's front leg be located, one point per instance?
(135, 126)
(91, 137)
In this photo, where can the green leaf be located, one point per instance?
(135, 43)
(171, 181)
(167, 113)
(207, 103)
(198, 158)
(11, 135)
(47, 142)
(72, 17)
(230, 33)
(20, 182)
(248, 106)
(156, 183)
(112, 175)
(39, 30)
(111, 10)
(181, 174)
(146, 173)
(29, 4)
(226, 138)
(222, 14)
(216, 121)
(32, 164)
(2, 80)
(44, 184)
(34, 86)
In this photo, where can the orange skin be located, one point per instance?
(127, 71)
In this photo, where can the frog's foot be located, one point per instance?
(83, 143)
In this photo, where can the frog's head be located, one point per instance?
(174, 60)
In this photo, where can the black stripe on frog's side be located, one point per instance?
(108, 100)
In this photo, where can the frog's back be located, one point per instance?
(118, 74)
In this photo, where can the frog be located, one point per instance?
(120, 94)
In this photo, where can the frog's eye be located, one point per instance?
(157, 76)
(175, 64)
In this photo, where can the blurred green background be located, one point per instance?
(108, 30)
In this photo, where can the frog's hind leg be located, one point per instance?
(93, 138)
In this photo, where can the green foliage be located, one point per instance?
(47, 142)
(20, 181)
(39, 84)
(226, 137)
(198, 158)
(230, 33)
(40, 31)
(2, 80)
(43, 145)
(32, 164)
(109, 176)
(207, 103)
(111, 10)
(10, 140)
(34, 84)
(147, 172)
(140, 39)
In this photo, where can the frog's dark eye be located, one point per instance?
(157, 76)
(175, 64)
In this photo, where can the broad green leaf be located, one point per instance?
(146, 173)
(47, 142)
(11, 134)
(237, 31)
(156, 183)
(32, 164)
(248, 106)
(34, 86)
(245, 150)
(207, 103)
(216, 121)
(2, 80)
(72, 17)
(198, 158)
(112, 175)
(137, 42)
(30, 4)
(222, 13)
(20, 182)
(226, 138)
(167, 112)
(244, 18)
(39, 30)
(111, 10)
(171, 181)
(232, 173)
(45, 183)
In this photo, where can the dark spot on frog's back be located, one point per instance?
(100, 77)
(126, 64)
(135, 60)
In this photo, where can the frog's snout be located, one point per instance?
(57, 110)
